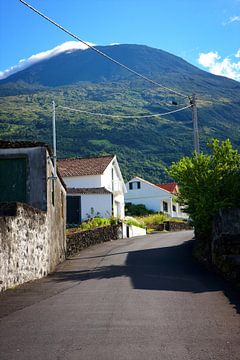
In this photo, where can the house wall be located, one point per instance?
(118, 205)
(32, 241)
(56, 215)
(91, 181)
(148, 195)
(101, 203)
(153, 197)
(111, 180)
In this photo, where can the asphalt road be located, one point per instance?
(133, 299)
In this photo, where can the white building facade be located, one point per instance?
(155, 198)
(95, 187)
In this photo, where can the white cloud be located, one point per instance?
(231, 19)
(68, 47)
(221, 66)
(208, 59)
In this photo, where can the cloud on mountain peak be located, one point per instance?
(68, 46)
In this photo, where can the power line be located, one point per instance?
(123, 116)
(102, 53)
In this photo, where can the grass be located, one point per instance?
(134, 221)
(153, 220)
(91, 224)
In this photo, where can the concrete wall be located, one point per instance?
(32, 241)
(131, 231)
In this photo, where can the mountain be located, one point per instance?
(84, 80)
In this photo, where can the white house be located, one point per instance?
(95, 187)
(160, 197)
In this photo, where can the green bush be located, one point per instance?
(207, 184)
(136, 210)
(152, 221)
(134, 222)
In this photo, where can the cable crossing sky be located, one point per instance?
(102, 53)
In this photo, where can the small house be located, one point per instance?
(158, 198)
(95, 187)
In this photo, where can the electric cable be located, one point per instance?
(102, 53)
(123, 116)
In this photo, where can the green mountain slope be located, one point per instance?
(82, 80)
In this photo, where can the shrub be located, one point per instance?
(207, 184)
(136, 210)
(134, 222)
(152, 221)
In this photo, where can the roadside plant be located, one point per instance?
(208, 182)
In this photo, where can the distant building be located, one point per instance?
(95, 187)
(32, 213)
(158, 198)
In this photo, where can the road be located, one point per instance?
(143, 298)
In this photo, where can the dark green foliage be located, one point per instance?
(136, 210)
(208, 183)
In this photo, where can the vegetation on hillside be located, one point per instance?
(143, 146)
(208, 182)
(82, 80)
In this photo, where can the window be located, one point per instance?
(174, 208)
(134, 185)
(165, 206)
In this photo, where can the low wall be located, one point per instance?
(174, 226)
(26, 245)
(83, 239)
(226, 242)
(132, 231)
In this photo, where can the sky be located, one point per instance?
(205, 33)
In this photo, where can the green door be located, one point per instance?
(13, 178)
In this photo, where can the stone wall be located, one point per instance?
(82, 239)
(226, 243)
(28, 248)
(174, 226)
(23, 244)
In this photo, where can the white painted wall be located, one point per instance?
(152, 197)
(149, 195)
(91, 181)
(101, 203)
(118, 206)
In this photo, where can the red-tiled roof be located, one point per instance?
(100, 190)
(171, 187)
(83, 166)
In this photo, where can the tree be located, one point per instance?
(208, 183)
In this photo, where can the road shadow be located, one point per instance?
(170, 269)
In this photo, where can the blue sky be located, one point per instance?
(206, 33)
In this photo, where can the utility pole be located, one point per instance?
(195, 123)
(54, 140)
